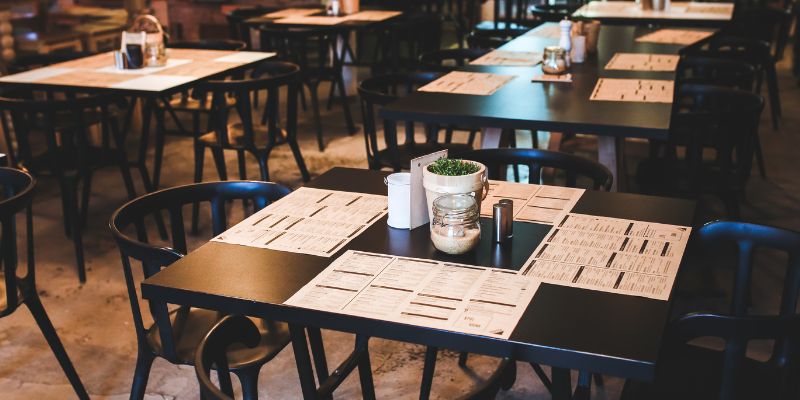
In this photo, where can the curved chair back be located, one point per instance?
(154, 256)
(449, 59)
(311, 48)
(270, 76)
(573, 167)
(212, 350)
(716, 71)
(726, 119)
(220, 44)
(379, 91)
(17, 194)
(737, 332)
(70, 116)
(747, 238)
(237, 29)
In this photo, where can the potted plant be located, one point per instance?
(452, 176)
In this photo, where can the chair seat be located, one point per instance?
(197, 324)
(405, 153)
(236, 137)
(694, 373)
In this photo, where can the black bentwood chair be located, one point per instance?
(313, 49)
(69, 155)
(381, 90)
(15, 290)
(212, 351)
(573, 167)
(695, 372)
(245, 136)
(237, 28)
(706, 116)
(175, 335)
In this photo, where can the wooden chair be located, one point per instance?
(573, 167)
(212, 351)
(246, 137)
(177, 340)
(237, 29)
(381, 90)
(695, 372)
(706, 116)
(16, 290)
(69, 154)
(313, 49)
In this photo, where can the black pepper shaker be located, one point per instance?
(509, 215)
(502, 214)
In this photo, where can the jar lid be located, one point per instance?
(455, 203)
(554, 50)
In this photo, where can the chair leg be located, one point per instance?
(427, 373)
(298, 158)
(331, 97)
(365, 370)
(774, 95)
(49, 332)
(248, 377)
(760, 158)
(219, 162)
(317, 118)
(70, 191)
(199, 160)
(86, 194)
(351, 128)
(598, 380)
(158, 159)
(140, 376)
(462, 359)
(263, 167)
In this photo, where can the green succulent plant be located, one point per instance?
(453, 167)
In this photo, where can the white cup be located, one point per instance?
(578, 53)
(399, 187)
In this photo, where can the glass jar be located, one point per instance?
(456, 227)
(554, 61)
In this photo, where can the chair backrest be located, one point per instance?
(747, 238)
(16, 187)
(573, 167)
(755, 52)
(379, 91)
(270, 76)
(237, 29)
(407, 37)
(726, 119)
(219, 44)
(766, 23)
(449, 59)
(69, 116)
(212, 350)
(311, 48)
(509, 12)
(716, 71)
(737, 332)
(155, 256)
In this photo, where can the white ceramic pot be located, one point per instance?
(476, 184)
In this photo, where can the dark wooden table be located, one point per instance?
(567, 328)
(551, 106)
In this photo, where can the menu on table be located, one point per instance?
(308, 221)
(373, 15)
(428, 293)
(566, 78)
(540, 204)
(610, 255)
(643, 62)
(509, 58)
(674, 36)
(635, 90)
(290, 12)
(310, 20)
(476, 83)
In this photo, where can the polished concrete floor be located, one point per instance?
(94, 319)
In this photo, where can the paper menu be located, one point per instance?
(428, 293)
(509, 58)
(674, 36)
(308, 221)
(540, 204)
(611, 255)
(633, 90)
(289, 12)
(643, 62)
(475, 83)
(373, 15)
(566, 78)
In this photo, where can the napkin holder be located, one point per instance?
(419, 204)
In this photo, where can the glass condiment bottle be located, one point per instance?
(554, 61)
(455, 228)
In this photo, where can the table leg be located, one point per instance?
(147, 112)
(611, 154)
(561, 384)
(490, 138)
(318, 353)
(159, 151)
(303, 360)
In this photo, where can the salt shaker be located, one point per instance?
(565, 42)
(333, 8)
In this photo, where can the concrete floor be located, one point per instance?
(94, 319)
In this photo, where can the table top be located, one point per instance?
(184, 67)
(344, 21)
(565, 327)
(677, 13)
(559, 107)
